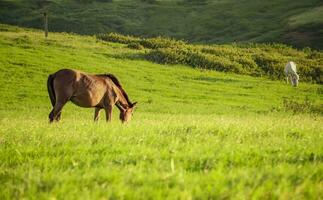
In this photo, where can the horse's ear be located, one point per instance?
(134, 105)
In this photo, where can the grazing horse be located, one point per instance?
(290, 72)
(101, 91)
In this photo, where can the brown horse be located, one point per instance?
(101, 91)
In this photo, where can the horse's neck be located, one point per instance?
(121, 99)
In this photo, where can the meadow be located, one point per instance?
(196, 134)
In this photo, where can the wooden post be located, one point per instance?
(45, 24)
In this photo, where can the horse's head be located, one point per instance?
(295, 79)
(126, 114)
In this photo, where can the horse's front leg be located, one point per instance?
(108, 113)
(96, 114)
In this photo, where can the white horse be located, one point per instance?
(290, 72)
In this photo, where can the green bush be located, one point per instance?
(118, 38)
(253, 59)
(309, 70)
(301, 106)
(168, 56)
(193, 58)
(198, 59)
(160, 42)
(242, 59)
(271, 64)
(135, 45)
(151, 43)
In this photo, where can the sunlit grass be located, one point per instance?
(195, 135)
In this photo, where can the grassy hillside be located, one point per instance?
(196, 134)
(253, 59)
(295, 22)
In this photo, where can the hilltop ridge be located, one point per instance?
(295, 22)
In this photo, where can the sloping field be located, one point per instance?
(312, 16)
(295, 22)
(197, 134)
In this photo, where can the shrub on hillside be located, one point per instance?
(309, 70)
(168, 56)
(252, 59)
(234, 54)
(115, 37)
(198, 59)
(314, 55)
(160, 42)
(135, 45)
(272, 65)
(151, 43)
(193, 58)
(301, 106)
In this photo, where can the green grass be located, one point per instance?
(312, 16)
(225, 21)
(196, 134)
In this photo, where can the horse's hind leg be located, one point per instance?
(52, 116)
(63, 90)
(55, 114)
(58, 117)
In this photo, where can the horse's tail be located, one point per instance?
(50, 88)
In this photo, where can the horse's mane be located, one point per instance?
(117, 83)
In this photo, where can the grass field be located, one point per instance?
(196, 134)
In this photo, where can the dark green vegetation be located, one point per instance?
(295, 22)
(252, 59)
(197, 134)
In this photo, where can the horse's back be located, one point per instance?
(85, 90)
(290, 67)
(67, 74)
